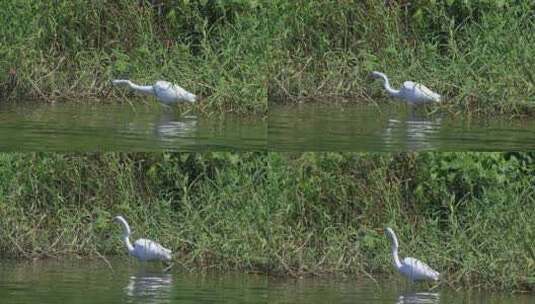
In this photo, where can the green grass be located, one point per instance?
(469, 215)
(239, 54)
(71, 50)
(475, 53)
(54, 205)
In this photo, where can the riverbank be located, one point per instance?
(71, 50)
(465, 51)
(469, 215)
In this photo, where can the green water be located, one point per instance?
(82, 281)
(360, 291)
(86, 126)
(129, 282)
(70, 126)
(390, 127)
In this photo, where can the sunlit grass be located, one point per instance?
(478, 58)
(71, 50)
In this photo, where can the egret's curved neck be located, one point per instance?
(133, 86)
(126, 234)
(386, 83)
(395, 246)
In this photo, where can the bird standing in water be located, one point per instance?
(144, 249)
(411, 92)
(166, 92)
(413, 269)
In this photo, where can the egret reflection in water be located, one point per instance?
(150, 287)
(415, 132)
(419, 298)
(89, 126)
(390, 127)
(52, 281)
(167, 127)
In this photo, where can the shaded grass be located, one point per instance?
(55, 205)
(469, 215)
(467, 52)
(71, 50)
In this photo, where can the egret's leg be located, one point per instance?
(185, 112)
(166, 269)
(433, 111)
(165, 106)
(435, 286)
(412, 111)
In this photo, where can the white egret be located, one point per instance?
(411, 92)
(413, 269)
(166, 92)
(143, 249)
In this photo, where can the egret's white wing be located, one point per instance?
(165, 92)
(171, 93)
(183, 94)
(418, 86)
(417, 92)
(420, 270)
(426, 91)
(179, 90)
(162, 87)
(149, 250)
(409, 84)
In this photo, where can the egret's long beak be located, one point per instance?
(373, 76)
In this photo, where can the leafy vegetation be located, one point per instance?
(72, 49)
(466, 50)
(238, 54)
(63, 204)
(469, 215)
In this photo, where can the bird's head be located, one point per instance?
(121, 81)
(376, 75)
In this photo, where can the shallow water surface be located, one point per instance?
(84, 126)
(83, 281)
(129, 282)
(389, 127)
(312, 291)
